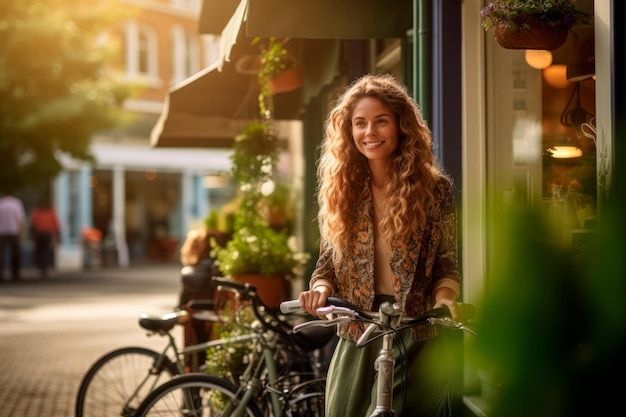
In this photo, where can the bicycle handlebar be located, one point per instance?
(222, 283)
(293, 306)
(261, 312)
(340, 311)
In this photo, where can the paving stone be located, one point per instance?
(52, 330)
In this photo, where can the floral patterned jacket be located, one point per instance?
(432, 262)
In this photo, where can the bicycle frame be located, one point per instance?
(385, 364)
(260, 376)
(261, 369)
(178, 354)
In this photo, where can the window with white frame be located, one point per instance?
(141, 52)
(185, 61)
(193, 5)
(211, 48)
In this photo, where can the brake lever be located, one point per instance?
(321, 323)
(447, 322)
(366, 334)
(328, 310)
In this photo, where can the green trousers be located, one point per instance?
(423, 378)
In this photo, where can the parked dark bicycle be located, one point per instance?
(282, 377)
(118, 381)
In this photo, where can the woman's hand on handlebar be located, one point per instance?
(450, 305)
(445, 297)
(313, 299)
(461, 312)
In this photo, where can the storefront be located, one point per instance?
(140, 201)
(516, 116)
(498, 117)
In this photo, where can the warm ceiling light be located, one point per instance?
(555, 75)
(565, 152)
(538, 58)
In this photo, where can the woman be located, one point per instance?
(388, 233)
(198, 269)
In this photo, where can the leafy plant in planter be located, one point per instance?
(530, 24)
(256, 247)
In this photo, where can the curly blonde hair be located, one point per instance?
(343, 171)
(198, 244)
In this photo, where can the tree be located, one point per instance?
(56, 84)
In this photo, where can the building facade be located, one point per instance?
(500, 117)
(142, 201)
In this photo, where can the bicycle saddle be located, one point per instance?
(163, 323)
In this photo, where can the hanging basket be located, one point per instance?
(540, 35)
(288, 80)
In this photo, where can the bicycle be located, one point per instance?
(388, 321)
(274, 381)
(119, 380)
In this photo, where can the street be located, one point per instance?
(52, 330)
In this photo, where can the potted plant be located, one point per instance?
(261, 250)
(530, 24)
(279, 72)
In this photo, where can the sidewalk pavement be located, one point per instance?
(52, 329)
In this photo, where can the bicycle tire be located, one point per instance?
(109, 388)
(166, 400)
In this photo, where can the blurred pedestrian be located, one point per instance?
(45, 229)
(12, 218)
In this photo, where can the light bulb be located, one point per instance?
(555, 75)
(538, 58)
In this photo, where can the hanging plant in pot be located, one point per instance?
(279, 72)
(530, 24)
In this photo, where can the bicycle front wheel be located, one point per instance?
(195, 395)
(117, 382)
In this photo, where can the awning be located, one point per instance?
(210, 108)
(313, 19)
(206, 110)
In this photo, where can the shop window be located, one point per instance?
(542, 151)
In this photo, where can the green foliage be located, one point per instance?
(55, 92)
(513, 13)
(257, 248)
(553, 322)
(228, 360)
(275, 58)
(254, 154)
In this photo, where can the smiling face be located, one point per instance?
(374, 130)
